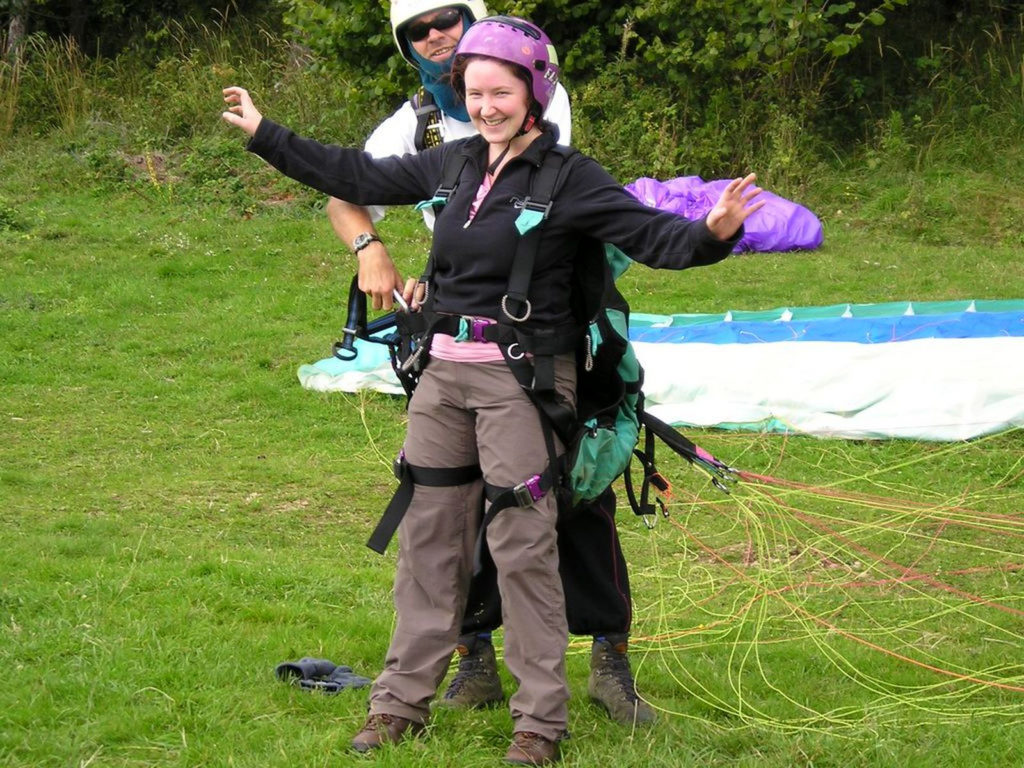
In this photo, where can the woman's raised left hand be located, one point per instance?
(733, 207)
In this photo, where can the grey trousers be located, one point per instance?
(461, 414)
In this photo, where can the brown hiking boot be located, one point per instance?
(384, 729)
(611, 683)
(530, 748)
(476, 683)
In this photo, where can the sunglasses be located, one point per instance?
(418, 30)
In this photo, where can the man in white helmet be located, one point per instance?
(592, 567)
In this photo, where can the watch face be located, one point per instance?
(363, 240)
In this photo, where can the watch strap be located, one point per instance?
(364, 240)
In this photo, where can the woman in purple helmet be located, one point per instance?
(469, 409)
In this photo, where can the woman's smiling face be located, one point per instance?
(496, 99)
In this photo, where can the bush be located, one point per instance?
(10, 220)
(666, 89)
(51, 82)
(659, 88)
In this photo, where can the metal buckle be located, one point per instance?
(664, 508)
(721, 485)
(510, 316)
(528, 492)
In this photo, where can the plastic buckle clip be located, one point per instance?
(544, 209)
(528, 492)
(477, 327)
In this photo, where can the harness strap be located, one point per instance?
(536, 374)
(536, 208)
(524, 494)
(409, 353)
(652, 477)
(556, 417)
(428, 120)
(720, 473)
(451, 172)
(409, 476)
(561, 339)
(515, 341)
(531, 490)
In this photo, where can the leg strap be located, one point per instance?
(523, 495)
(409, 476)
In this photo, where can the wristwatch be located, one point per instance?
(364, 240)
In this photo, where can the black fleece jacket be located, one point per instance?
(472, 259)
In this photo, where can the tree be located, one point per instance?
(108, 26)
(16, 10)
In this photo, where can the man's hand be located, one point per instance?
(241, 111)
(732, 208)
(378, 276)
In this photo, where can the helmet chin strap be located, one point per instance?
(531, 119)
(525, 128)
(494, 166)
(528, 123)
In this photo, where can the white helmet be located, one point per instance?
(404, 11)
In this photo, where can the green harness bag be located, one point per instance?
(610, 398)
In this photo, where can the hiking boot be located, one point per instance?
(384, 729)
(611, 683)
(530, 748)
(476, 683)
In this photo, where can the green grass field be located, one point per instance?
(181, 515)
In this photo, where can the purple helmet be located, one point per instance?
(516, 41)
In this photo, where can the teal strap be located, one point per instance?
(595, 338)
(528, 220)
(431, 202)
(463, 334)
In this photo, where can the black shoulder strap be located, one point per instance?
(451, 171)
(538, 202)
(537, 375)
(428, 120)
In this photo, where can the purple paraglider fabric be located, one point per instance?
(781, 225)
